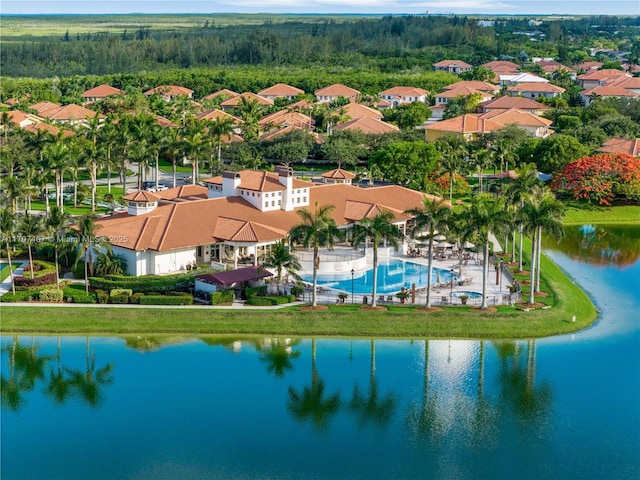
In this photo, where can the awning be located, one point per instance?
(240, 275)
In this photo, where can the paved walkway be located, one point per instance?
(5, 286)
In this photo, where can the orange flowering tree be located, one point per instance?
(601, 178)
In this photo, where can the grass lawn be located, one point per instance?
(83, 209)
(579, 213)
(4, 269)
(338, 320)
(167, 167)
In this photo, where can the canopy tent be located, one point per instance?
(231, 277)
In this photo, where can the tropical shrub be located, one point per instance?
(19, 296)
(51, 295)
(602, 178)
(121, 291)
(37, 281)
(102, 296)
(119, 298)
(145, 284)
(135, 298)
(255, 291)
(77, 294)
(218, 298)
(269, 301)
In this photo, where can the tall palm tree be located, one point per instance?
(57, 224)
(172, 150)
(193, 144)
(30, 227)
(7, 229)
(250, 111)
(485, 216)
(282, 258)
(435, 217)
(517, 191)
(16, 188)
(91, 134)
(379, 228)
(88, 242)
(218, 128)
(452, 161)
(541, 211)
(317, 229)
(58, 155)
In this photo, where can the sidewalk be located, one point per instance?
(5, 286)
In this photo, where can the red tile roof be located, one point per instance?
(474, 85)
(281, 90)
(102, 91)
(141, 196)
(621, 145)
(355, 110)
(405, 92)
(337, 90)
(541, 87)
(367, 125)
(610, 91)
(235, 101)
(452, 63)
(215, 114)
(231, 277)
(507, 102)
(470, 123)
(224, 91)
(172, 90)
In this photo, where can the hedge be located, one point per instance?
(48, 295)
(44, 268)
(225, 296)
(140, 284)
(46, 279)
(268, 301)
(135, 298)
(77, 294)
(119, 298)
(120, 291)
(102, 296)
(20, 296)
(166, 300)
(255, 291)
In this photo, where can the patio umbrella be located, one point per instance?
(445, 245)
(438, 279)
(468, 245)
(440, 238)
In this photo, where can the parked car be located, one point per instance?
(153, 188)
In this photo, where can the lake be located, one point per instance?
(159, 407)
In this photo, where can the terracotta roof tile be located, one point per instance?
(339, 174)
(516, 116)
(452, 63)
(405, 92)
(470, 123)
(173, 90)
(224, 91)
(235, 101)
(141, 196)
(367, 125)
(102, 91)
(608, 74)
(355, 110)
(621, 145)
(474, 85)
(535, 87)
(281, 90)
(337, 90)
(610, 91)
(507, 102)
(463, 91)
(216, 113)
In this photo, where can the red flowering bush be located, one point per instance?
(601, 178)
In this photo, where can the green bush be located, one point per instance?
(102, 296)
(218, 298)
(36, 281)
(255, 291)
(260, 301)
(20, 296)
(50, 295)
(166, 300)
(144, 284)
(119, 298)
(121, 291)
(78, 271)
(77, 294)
(135, 298)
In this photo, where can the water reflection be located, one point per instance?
(27, 370)
(599, 245)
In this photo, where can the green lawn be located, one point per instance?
(4, 269)
(579, 213)
(83, 209)
(167, 167)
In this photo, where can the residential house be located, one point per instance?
(285, 118)
(475, 85)
(535, 126)
(507, 103)
(501, 67)
(467, 127)
(275, 133)
(452, 66)
(34, 124)
(551, 66)
(100, 92)
(588, 66)
(524, 77)
(335, 91)
(225, 93)
(233, 102)
(443, 98)
(281, 90)
(535, 90)
(354, 110)
(600, 78)
(164, 122)
(246, 213)
(367, 125)
(629, 146)
(215, 114)
(169, 92)
(70, 114)
(607, 91)
(401, 95)
(628, 83)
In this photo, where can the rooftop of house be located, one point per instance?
(355, 110)
(215, 114)
(102, 91)
(469, 123)
(517, 117)
(248, 96)
(452, 63)
(610, 91)
(53, 111)
(367, 125)
(405, 92)
(287, 117)
(608, 74)
(339, 174)
(337, 90)
(173, 90)
(463, 91)
(290, 128)
(165, 122)
(522, 77)
(259, 181)
(475, 85)
(501, 66)
(540, 87)
(225, 91)
(281, 90)
(141, 196)
(630, 146)
(507, 102)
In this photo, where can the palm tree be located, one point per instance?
(250, 111)
(172, 150)
(278, 355)
(379, 228)
(59, 387)
(30, 226)
(453, 152)
(433, 218)
(281, 258)
(218, 128)
(7, 229)
(110, 263)
(541, 211)
(317, 229)
(193, 144)
(87, 242)
(92, 152)
(58, 155)
(16, 188)
(485, 216)
(57, 225)
(515, 194)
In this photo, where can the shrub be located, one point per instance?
(297, 290)
(20, 296)
(166, 300)
(145, 284)
(78, 270)
(119, 298)
(121, 291)
(135, 298)
(35, 267)
(255, 291)
(50, 295)
(37, 281)
(218, 298)
(102, 296)
(77, 294)
(268, 301)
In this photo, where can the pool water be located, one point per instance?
(458, 294)
(392, 276)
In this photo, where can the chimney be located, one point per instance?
(285, 177)
(230, 184)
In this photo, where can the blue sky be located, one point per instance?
(575, 7)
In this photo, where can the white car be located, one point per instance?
(158, 189)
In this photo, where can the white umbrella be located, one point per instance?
(445, 245)
(468, 245)
(440, 238)
(438, 279)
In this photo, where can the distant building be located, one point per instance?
(452, 66)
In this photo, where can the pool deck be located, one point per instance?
(472, 272)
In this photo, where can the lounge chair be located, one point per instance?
(389, 298)
(381, 299)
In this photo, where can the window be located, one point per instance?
(266, 204)
(279, 194)
(304, 200)
(279, 203)
(273, 203)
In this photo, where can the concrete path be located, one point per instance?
(5, 286)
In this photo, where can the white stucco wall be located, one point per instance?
(166, 262)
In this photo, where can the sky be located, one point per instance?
(495, 7)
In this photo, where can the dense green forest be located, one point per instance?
(390, 44)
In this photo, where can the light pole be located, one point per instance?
(352, 272)
(451, 294)
(500, 267)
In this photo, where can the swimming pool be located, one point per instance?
(392, 276)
